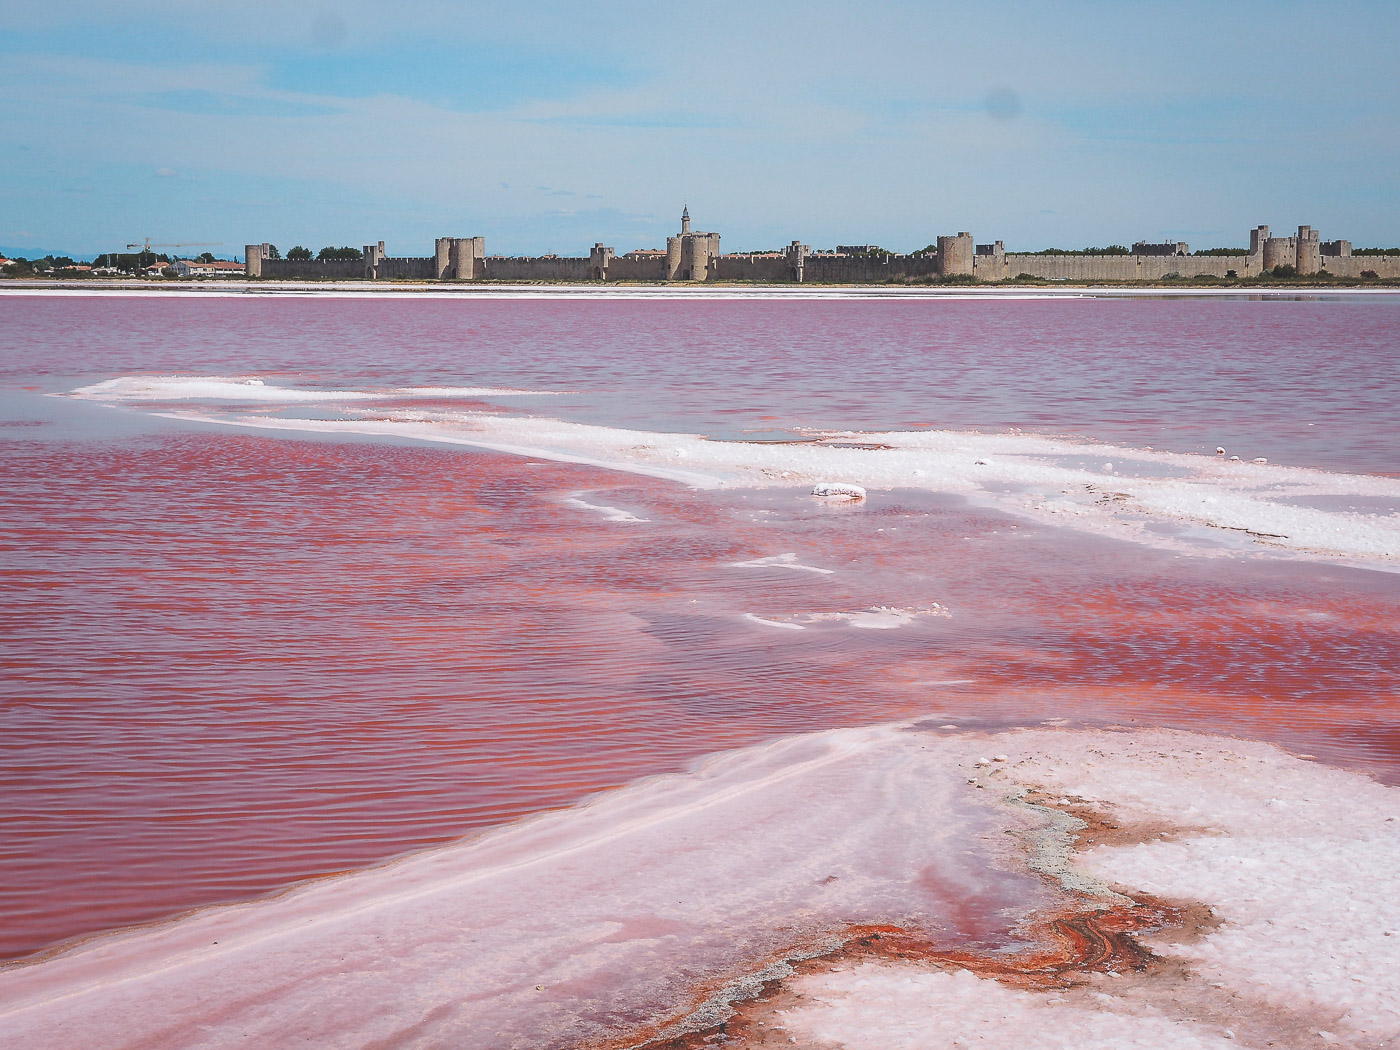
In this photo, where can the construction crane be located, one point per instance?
(146, 246)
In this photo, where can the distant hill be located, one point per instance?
(11, 251)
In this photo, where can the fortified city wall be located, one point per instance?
(694, 256)
(646, 268)
(868, 269)
(543, 268)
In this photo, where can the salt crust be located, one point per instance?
(548, 932)
(537, 934)
(1300, 862)
(879, 1007)
(1252, 506)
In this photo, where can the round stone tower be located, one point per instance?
(1280, 251)
(955, 254)
(1309, 251)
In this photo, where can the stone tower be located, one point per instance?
(955, 254)
(599, 259)
(691, 255)
(1280, 251)
(1309, 251)
(253, 256)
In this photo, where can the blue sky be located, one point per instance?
(547, 126)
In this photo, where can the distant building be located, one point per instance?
(217, 268)
(1164, 248)
(691, 256)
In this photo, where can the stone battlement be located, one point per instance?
(694, 256)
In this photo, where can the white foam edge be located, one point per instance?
(609, 513)
(787, 560)
(257, 389)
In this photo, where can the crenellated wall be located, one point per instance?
(536, 268)
(868, 269)
(766, 268)
(646, 268)
(313, 270)
(1355, 265)
(694, 256)
(1118, 267)
(406, 269)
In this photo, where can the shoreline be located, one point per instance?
(715, 290)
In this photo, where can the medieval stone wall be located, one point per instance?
(1354, 265)
(868, 269)
(406, 269)
(695, 257)
(1115, 267)
(770, 269)
(647, 268)
(314, 270)
(536, 268)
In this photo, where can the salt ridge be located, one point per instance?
(648, 902)
(1252, 506)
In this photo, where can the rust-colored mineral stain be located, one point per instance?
(1066, 948)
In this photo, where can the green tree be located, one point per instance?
(206, 256)
(299, 253)
(347, 254)
(272, 252)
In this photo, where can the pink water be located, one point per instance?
(233, 662)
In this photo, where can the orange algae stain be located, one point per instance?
(1066, 948)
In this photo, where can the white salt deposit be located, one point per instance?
(781, 561)
(882, 1007)
(874, 618)
(542, 935)
(1299, 862)
(836, 490)
(1251, 506)
(208, 388)
(657, 896)
(767, 622)
(610, 513)
(221, 388)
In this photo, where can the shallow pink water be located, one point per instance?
(232, 662)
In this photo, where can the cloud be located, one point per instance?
(165, 173)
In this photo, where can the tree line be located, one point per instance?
(329, 253)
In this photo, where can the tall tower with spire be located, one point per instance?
(691, 255)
